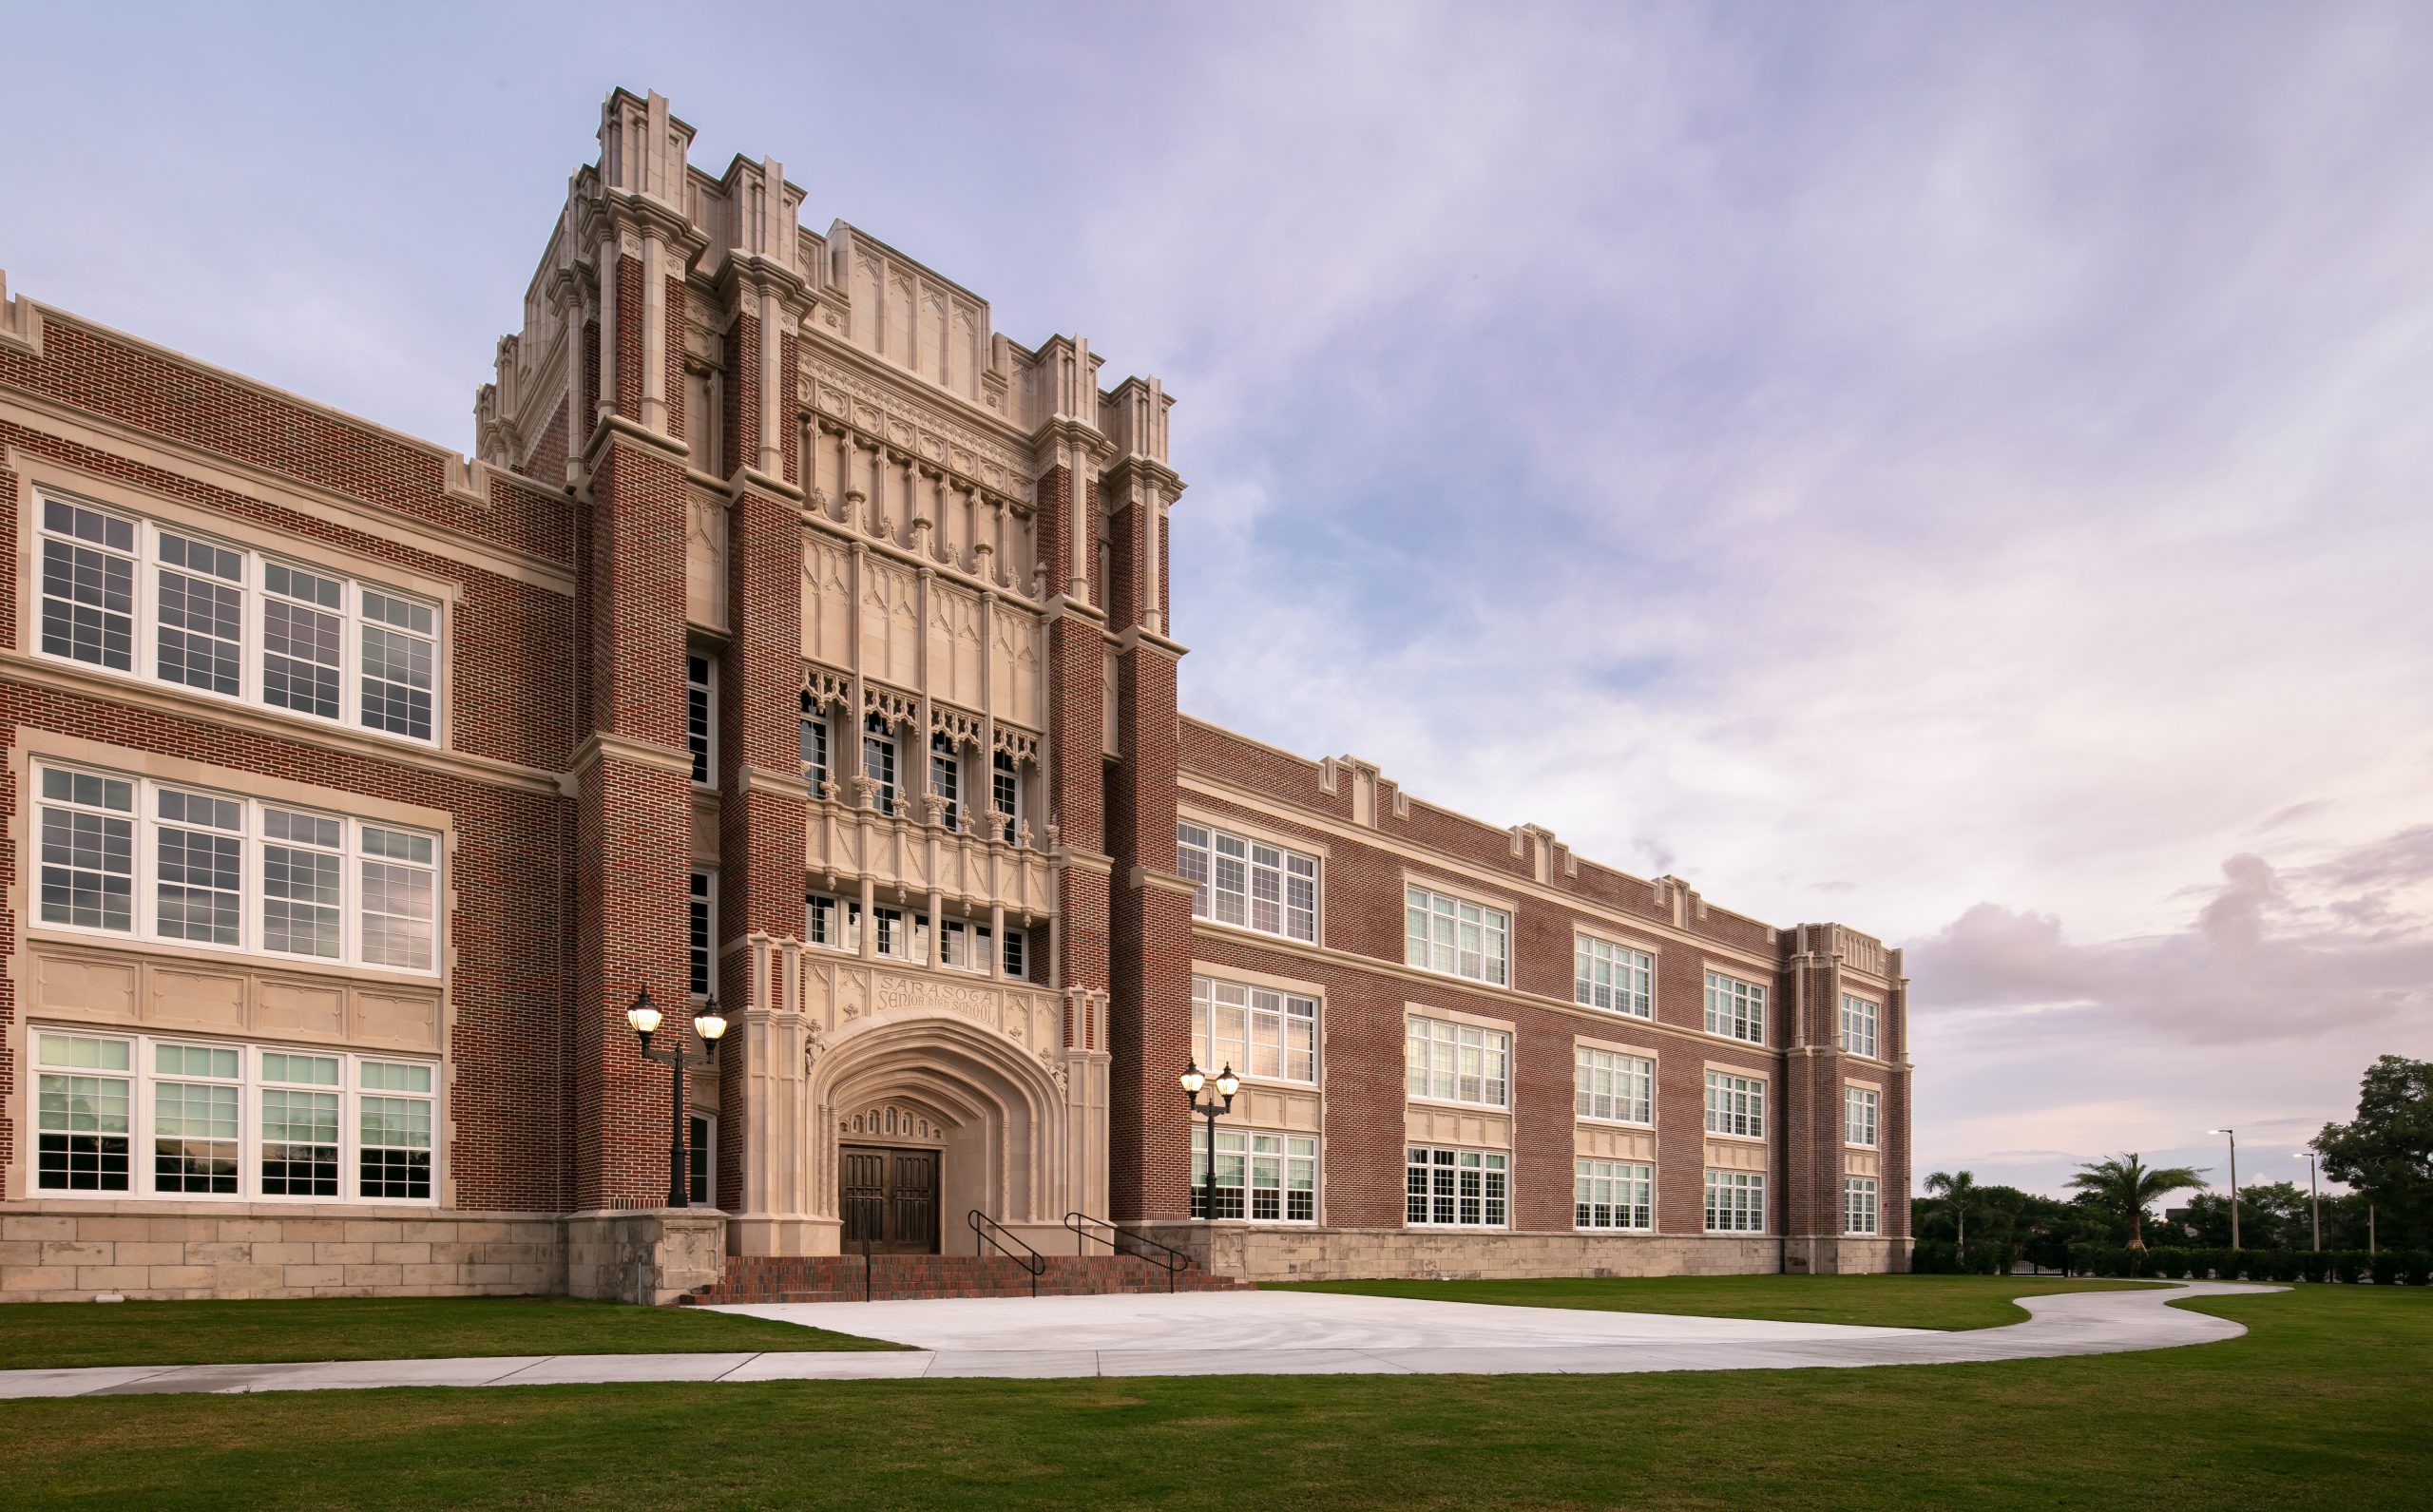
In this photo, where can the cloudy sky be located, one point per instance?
(1957, 471)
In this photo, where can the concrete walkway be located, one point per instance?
(1240, 1334)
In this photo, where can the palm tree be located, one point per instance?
(2129, 1186)
(1956, 1188)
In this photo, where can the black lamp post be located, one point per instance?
(711, 1026)
(1227, 1084)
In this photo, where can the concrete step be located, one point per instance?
(902, 1277)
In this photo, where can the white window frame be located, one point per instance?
(904, 934)
(1735, 1008)
(945, 776)
(701, 716)
(354, 852)
(1285, 1153)
(1862, 1206)
(1006, 792)
(1455, 1053)
(1236, 877)
(702, 933)
(1616, 978)
(701, 1157)
(878, 737)
(144, 1078)
(1494, 1211)
(1862, 1116)
(1438, 931)
(833, 924)
(1289, 1017)
(1743, 1207)
(1613, 1191)
(1860, 1020)
(146, 562)
(1736, 1106)
(817, 746)
(1613, 1086)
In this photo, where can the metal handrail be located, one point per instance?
(1173, 1261)
(1031, 1259)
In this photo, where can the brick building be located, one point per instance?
(793, 638)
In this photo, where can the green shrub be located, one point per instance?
(2315, 1265)
(2170, 1261)
(2383, 1268)
(2348, 1266)
(2414, 1267)
(1933, 1258)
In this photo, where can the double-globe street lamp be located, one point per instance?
(711, 1026)
(1227, 1083)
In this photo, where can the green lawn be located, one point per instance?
(2320, 1407)
(36, 1334)
(1881, 1301)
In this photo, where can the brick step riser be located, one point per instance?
(841, 1278)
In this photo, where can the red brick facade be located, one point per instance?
(893, 516)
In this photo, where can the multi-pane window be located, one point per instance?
(965, 945)
(1017, 955)
(1614, 977)
(1249, 883)
(1457, 1063)
(299, 1122)
(156, 860)
(394, 1154)
(221, 1119)
(836, 923)
(1860, 1107)
(1860, 1205)
(700, 715)
(1443, 933)
(1613, 1086)
(1265, 1178)
(1858, 1026)
(1736, 1104)
(1460, 1188)
(85, 1118)
(816, 767)
(1735, 1202)
(878, 761)
(701, 1159)
(1006, 792)
(400, 664)
(1736, 1008)
(701, 933)
(945, 776)
(1612, 1194)
(1258, 1031)
(236, 623)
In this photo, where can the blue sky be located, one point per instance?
(1956, 469)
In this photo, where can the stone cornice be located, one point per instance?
(1140, 878)
(601, 745)
(1060, 606)
(764, 779)
(164, 700)
(1134, 638)
(611, 425)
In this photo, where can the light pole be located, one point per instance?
(2235, 1182)
(711, 1026)
(1227, 1083)
(2314, 1194)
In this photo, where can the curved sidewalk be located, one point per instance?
(1265, 1334)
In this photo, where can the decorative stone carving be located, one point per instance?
(895, 708)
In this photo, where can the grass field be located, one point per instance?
(35, 1334)
(1879, 1301)
(2320, 1406)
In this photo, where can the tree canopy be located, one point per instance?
(2386, 1151)
(2129, 1187)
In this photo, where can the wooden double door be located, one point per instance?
(891, 1199)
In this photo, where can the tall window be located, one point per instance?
(1736, 1008)
(878, 761)
(1612, 1194)
(816, 767)
(1859, 1109)
(945, 776)
(700, 932)
(1735, 1202)
(1265, 1178)
(1858, 1026)
(836, 923)
(1614, 977)
(216, 1119)
(1736, 1104)
(701, 1159)
(1468, 1188)
(1859, 1205)
(1006, 791)
(1443, 933)
(1017, 955)
(1250, 883)
(154, 860)
(1457, 1063)
(1620, 1088)
(700, 715)
(131, 596)
(1256, 1031)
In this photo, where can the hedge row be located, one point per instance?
(2383, 1268)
